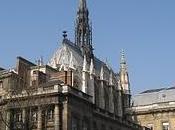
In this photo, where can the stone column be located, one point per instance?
(7, 125)
(120, 110)
(111, 100)
(56, 116)
(102, 96)
(39, 119)
(84, 76)
(24, 117)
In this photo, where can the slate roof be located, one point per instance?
(154, 96)
(1, 68)
(68, 48)
(153, 90)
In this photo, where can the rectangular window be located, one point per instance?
(74, 124)
(18, 116)
(85, 125)
(150, 126)
(34, 115)
(103, 127)
(165, 126)
(111, 128)
(50, 114)
(95, 126)
(33, 82)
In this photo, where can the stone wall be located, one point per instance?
(156, 119)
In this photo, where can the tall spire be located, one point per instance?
(82, 5)
(83, 31)
(124, 77)
(123, 65)
(124, 81)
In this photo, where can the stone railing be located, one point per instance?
(154, 107)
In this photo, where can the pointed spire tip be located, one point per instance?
(123, 59)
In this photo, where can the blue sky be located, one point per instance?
(145, 29)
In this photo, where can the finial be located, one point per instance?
(65, 34)
(40, 61)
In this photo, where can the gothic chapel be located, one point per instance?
(91, 75)
(74, 91)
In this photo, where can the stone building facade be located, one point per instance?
(74, 91)
(155, 109)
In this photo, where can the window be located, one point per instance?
(34, 116)
(165, 126)
(103, 127)
(150, 126)
(85, 125)
(95, 126)
(1, 84)
(74, 124)
(34, 72)
(50, 114)
(34, 82)
(111, 128)
(18, 116)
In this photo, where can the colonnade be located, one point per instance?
(39, 118)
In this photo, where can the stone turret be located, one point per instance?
(124, 82)
(124, 77)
